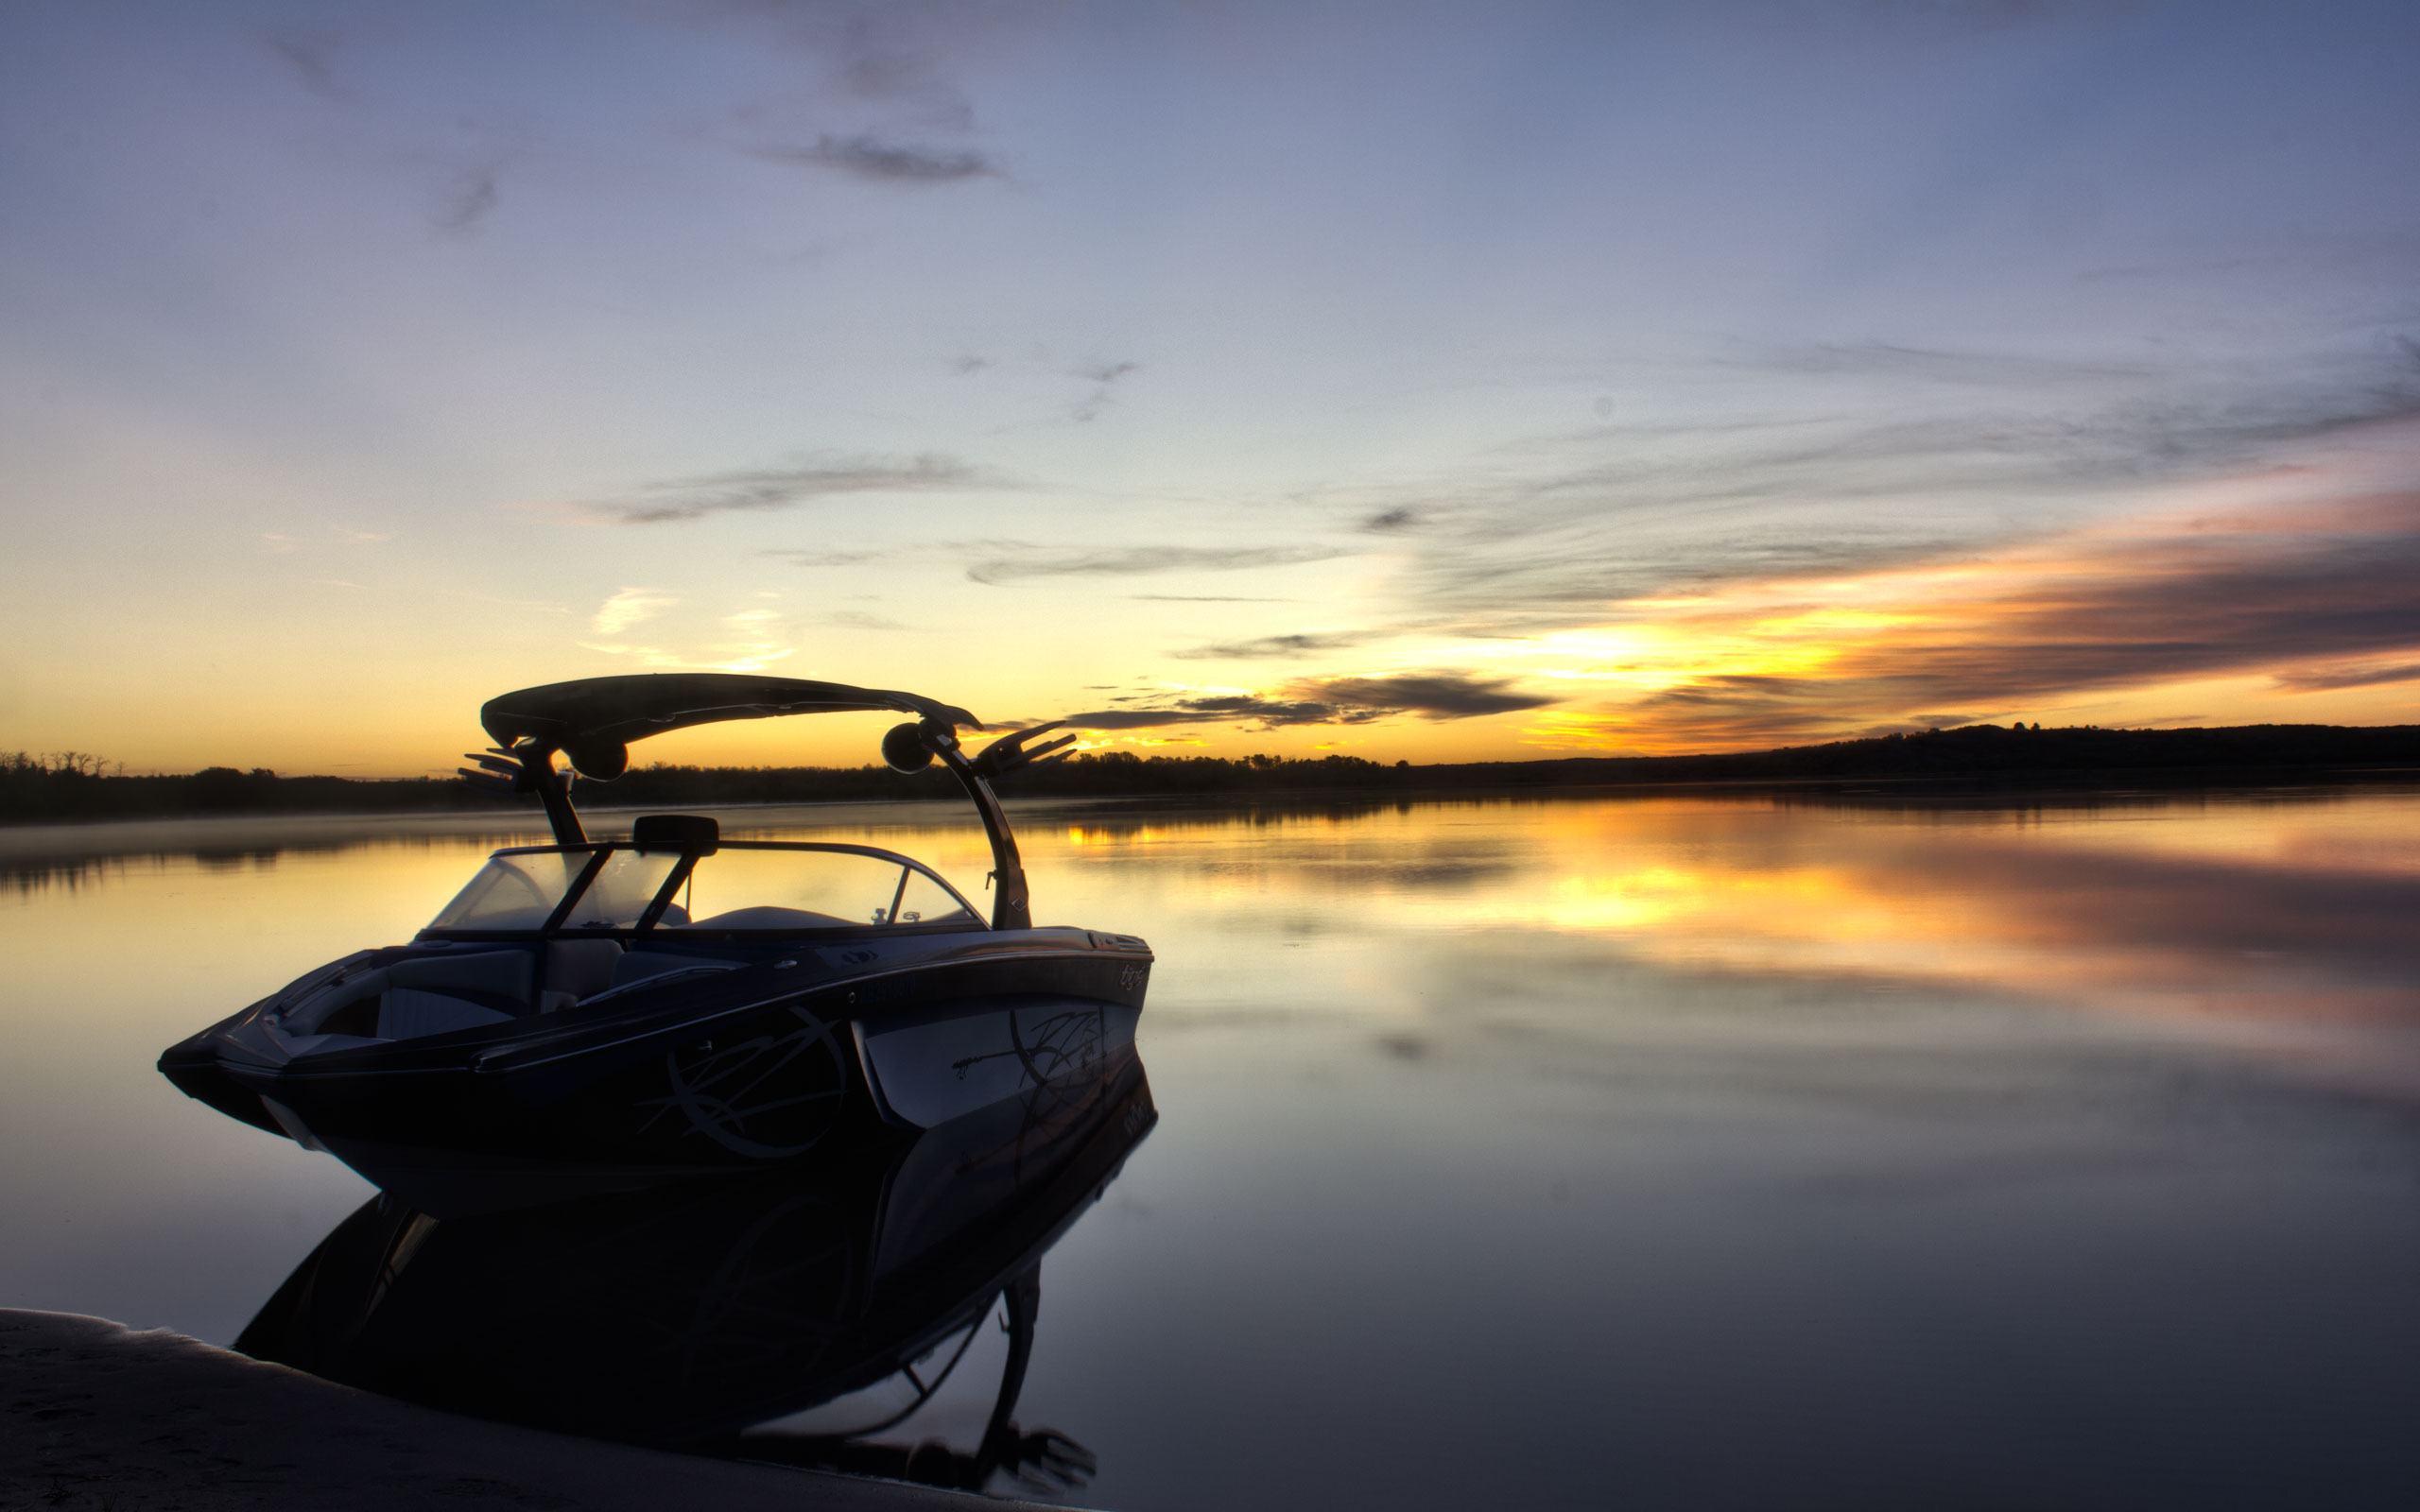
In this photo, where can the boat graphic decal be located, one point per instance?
(1064, 1043)
(770, 1096)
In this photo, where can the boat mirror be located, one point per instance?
(905, 749)
(695, 834)
(599, 760)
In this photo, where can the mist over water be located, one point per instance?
(1712, 1151)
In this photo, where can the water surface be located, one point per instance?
(1716, 1151)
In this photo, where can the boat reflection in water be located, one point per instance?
(795, 1316)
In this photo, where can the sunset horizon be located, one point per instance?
(1548, 382)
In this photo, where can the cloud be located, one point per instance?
(1431, 695)
(309, 55)
(1816, 461)
(1102, 375)
(2316, 596)
(1224, 709)
(2323, 681)
(859, 620)
(1275, 646)
(1434, 696)
(822, 557)
(464, 198)
(869, 157)
(1142, 560)
(737, 658)
(628, 607)
(768, 488)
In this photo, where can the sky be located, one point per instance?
(1416, 382)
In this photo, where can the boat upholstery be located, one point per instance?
(438, 994)
(407, 1013)
(766, 916)
(492, 974)
(580, 966)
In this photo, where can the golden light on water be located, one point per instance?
(2169, 913)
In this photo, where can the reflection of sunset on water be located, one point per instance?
(2259, 907)
(2256, 917)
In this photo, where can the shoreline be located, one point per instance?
(50, 791)
(99, 1415)
(291, 826)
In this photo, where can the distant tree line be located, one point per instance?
(73, 785)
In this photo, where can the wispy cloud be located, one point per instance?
(2315, 598)
(1272, 647)
(2325, 679)
(1142, 560)
(875, 159)
(1268, 713)
(719, 659)
(464, 196)
(631, 606)
(1849, 459)
(1430, 695)
(782, 487)
(311, 56)
(852, 619)
(1102, 375)
(824, 557)
(1435, 696)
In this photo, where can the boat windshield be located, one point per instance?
(758, 886)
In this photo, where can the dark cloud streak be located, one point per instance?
(1270, 647)
(309, 54)
(1142, 560)
(1432, 695)
(2318, 681)
(870, 158)
(770, 489)
(466, 197)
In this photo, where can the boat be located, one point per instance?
(802, 1315)
(620, 1010)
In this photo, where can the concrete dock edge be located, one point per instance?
(94, 1414)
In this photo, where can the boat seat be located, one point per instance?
(439, 994)
(576, 967)
(767, 917)
(407, 1013)
(495, 974)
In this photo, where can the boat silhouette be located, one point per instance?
(616, 1011)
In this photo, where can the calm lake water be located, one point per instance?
(1721, 1151)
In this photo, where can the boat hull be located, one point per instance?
(745, 1070)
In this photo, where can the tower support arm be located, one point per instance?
(1009, 905)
